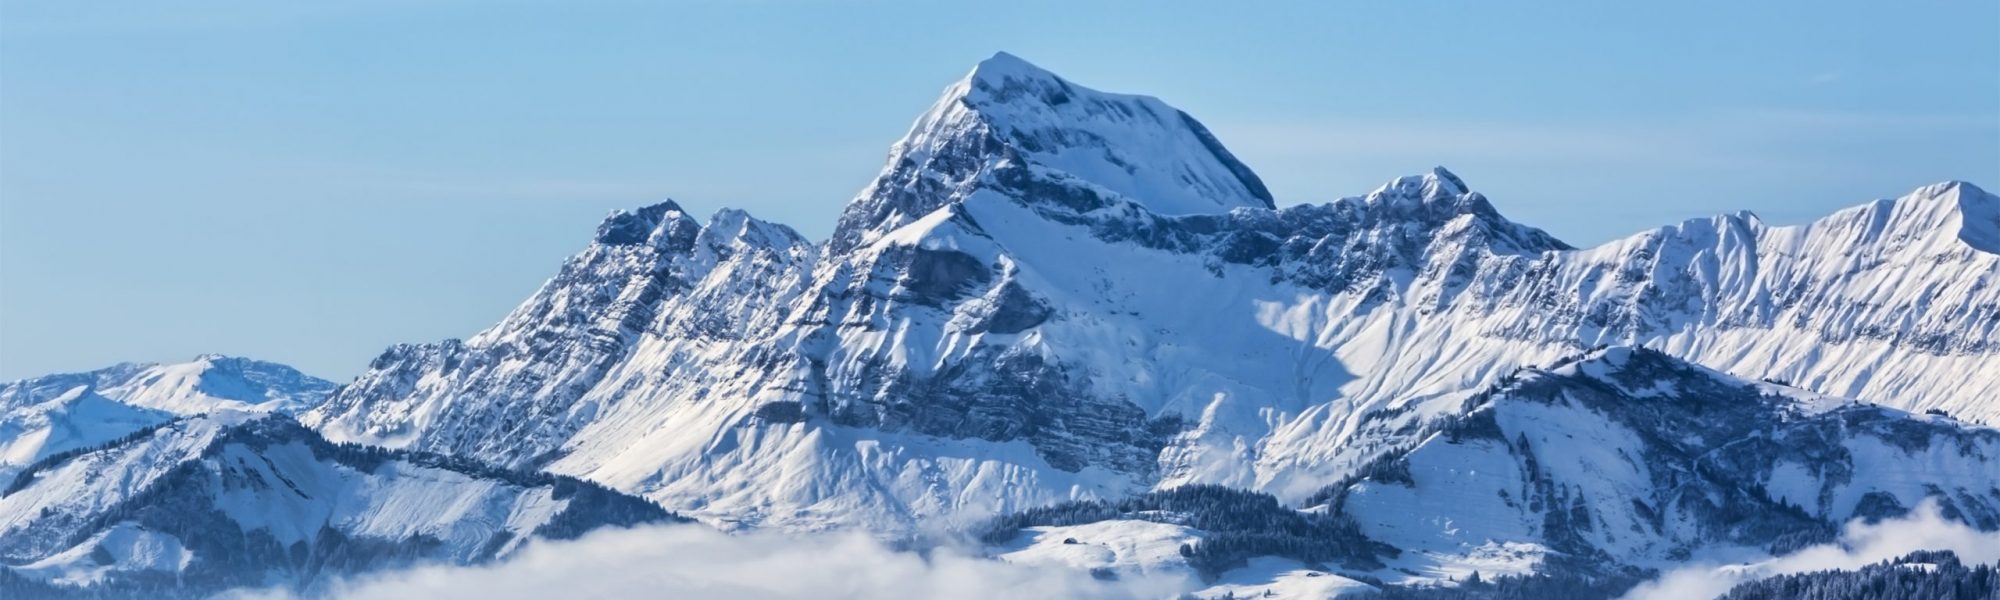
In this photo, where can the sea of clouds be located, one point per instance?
(691, 561)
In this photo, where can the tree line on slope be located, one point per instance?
(1929, 575)
(1238, 525)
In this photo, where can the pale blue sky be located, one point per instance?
(309, 183)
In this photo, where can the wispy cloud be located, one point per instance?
(687, 561)
(1826, 78)
(1860, 545)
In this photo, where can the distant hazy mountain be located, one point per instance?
(209, 382)
(232, 499)
(54, 413)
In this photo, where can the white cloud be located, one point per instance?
(691, 561)
(1860, 545)
(687, 561)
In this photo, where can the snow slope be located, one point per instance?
(232, 498)
(124, 548)
(1053, 293)
(76, 419)
(1127, 549)
(1629, 456)
(54, 413)
(1616, 460)
(1118, 547)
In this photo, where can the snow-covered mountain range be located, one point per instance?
(1053, 294)
(1618, 461)
(1629, 456)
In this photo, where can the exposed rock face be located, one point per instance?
(517, 392)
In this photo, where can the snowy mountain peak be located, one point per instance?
(1003, 66)
(1948, 218)
(730, 226)
(208, 382)
(1438, 184)
(662, 225)
(214, 381)
(55, 413)
(1439, 203)
(1434, 191)
(1014, 128)
(1135, 145)
(1978, 213)
(237, 364)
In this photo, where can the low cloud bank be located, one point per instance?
(691, 561)
(1860, 545)
(688, 561)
